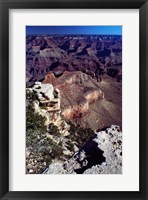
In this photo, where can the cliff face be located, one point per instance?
(87, 102)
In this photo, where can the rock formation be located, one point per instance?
(47, 104)
(88, 102)
(101, 155)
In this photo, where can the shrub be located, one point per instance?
(30, 96)
(34, 121)
(79, 134)
(43, 149)
(53, 130)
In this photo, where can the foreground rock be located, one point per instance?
(46, 103)
(101, 155)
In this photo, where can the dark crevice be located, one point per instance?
(94, 156)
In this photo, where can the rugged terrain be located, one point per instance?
(93, 55)
(87, 102)
(86, 69)
(56, 146)
(102, 154)
(73, 104)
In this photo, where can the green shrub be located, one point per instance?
(30, 96)
(79, 134)
(53, 130)
(34, 121)
(54, 149)
(43, 148)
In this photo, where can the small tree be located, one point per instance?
(79, 134)
(53, 130)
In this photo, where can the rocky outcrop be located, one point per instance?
(110, 142)
(92, 95)
(45, 129)
(81, 108)
(47, 103)
(77, 111)
(101, 155)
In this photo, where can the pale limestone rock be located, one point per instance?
(109, 142)
(47, 104)
(44, 89)
(57, 168)
(75, 148)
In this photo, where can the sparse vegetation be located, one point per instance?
(34, 121)
(84, 77)
(43, 148)
(79, 134)
(30, 96)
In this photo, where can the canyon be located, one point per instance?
(87, 69)
(73, 104)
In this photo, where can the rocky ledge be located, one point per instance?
(102, 154)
